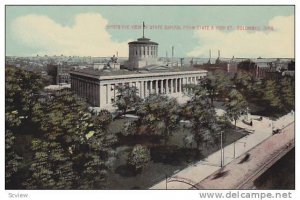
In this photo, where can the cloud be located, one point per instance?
(277, 43)
(87, 37)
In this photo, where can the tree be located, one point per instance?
(127, 98)
(287, 88)
(69, 146)
(216, 84)
(236, 105)
(103, 119)
(21, 90)
(51, 168)
(204, 122)
(158, 115)
(139, 157)
(73, 141)
(272, 94)
(12, 159)
(247, 85)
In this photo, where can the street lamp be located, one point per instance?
(222, 150)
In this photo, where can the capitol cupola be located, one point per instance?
(142, 52)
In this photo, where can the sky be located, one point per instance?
(89, 30)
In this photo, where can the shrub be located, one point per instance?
(139, 157)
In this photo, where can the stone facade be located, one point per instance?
(100, 91)
(142, 52)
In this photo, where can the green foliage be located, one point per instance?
(203, 118)
(139, 157)
(287, 88)
(236, 105)
(272, 94)
(81, 139)
(21, 88)
(12, 160)
(127, 98)
(216, 84)
(51, 168)
(158, 115)
(65, 155)
(246, 84)
(103, 119)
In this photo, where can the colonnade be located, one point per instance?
(88, 90)
(102, 93)
(167, 86)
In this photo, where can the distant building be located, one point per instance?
(53, 88)
(267, 68)
(59, 73)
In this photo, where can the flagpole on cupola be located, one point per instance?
(143, 29)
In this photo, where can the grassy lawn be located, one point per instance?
(164, 160)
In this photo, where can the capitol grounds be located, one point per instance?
(176, 156)
(268, 103)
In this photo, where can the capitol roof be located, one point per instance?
(92, 73)
(143, 41)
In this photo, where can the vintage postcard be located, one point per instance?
(138, 97)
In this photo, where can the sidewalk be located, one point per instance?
(203, 168)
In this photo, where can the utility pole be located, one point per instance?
(234, 149)
(166, 181)
(221, 148)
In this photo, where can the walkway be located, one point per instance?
(241, 175)
(195, 173)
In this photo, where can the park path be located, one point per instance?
(260, 131)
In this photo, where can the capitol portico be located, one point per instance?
(143, 71)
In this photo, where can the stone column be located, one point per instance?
(107, 94)
(98, 94)
(80, 89)
(114, 91)
(156, 86)
(179, 83)
(151, 87)
(88, 91)
(167, 86)
(76, 86)
(172, 89)
(161, 86)
(176, 85)
(141, 89)
(145, 88)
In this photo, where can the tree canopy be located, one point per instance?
(68, 147)
(127, 98)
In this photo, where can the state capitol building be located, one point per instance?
(142, 70)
